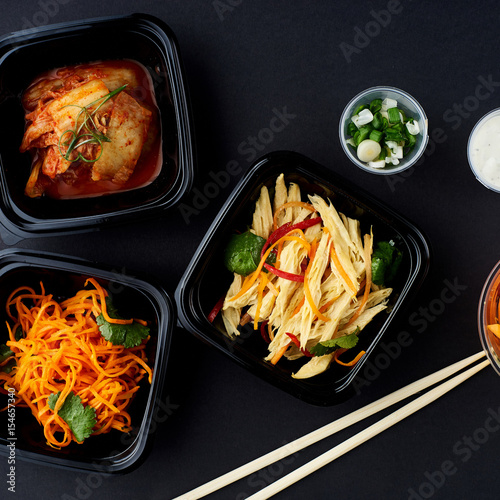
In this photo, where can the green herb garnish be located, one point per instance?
(81, 419)
(6, 352)
(386, 260)
(129, 335)
(329, 346)
(85, 131)
(242, 254)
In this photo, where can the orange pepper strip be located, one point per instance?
(325, 307)
(307, 291)
(338, 352)
(302, 204)
(279, 354)
(337, 263)
(299, 306)
(368, 284)
(340, 269)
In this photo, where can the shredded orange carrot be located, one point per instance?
(104, 310)
(302, 204)
(338, 352)
(307, 291)
(325, 307)
(279, 354)
(62, 351)
(299, 306)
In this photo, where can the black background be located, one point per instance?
(243, 59)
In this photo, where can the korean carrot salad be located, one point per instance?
(76, 364)
(307, 278)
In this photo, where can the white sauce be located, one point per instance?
(484, 151)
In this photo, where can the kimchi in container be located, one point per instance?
(99, 129)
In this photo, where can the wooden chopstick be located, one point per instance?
(330, 429)
(366, 434)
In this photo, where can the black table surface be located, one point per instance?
(245, 60)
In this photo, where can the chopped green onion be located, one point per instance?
(412, 127)
(376, 135)
(410, 141)
(382, 154)
(377, 121)
(394, 135)
(382, 123)
(394, 116)
(376, 105)
(351, 128)
(364, 132)
(399, 127)
(359, 108)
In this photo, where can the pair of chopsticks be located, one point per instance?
(342, 423)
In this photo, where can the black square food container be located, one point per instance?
(26, 54)
(206, 278)
(63, 276)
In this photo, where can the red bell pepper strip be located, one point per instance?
(287, 228)
(216, 309)
(263, 331)
(296, 341)
(277, 235)
(284, 274)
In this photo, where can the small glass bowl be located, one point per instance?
(488, 314)
(475, 157)
(408, 104)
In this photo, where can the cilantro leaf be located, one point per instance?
(81, 419)
(130, 335)
(242, 254)
(6, 352)
(385, 262)
(329, 346)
